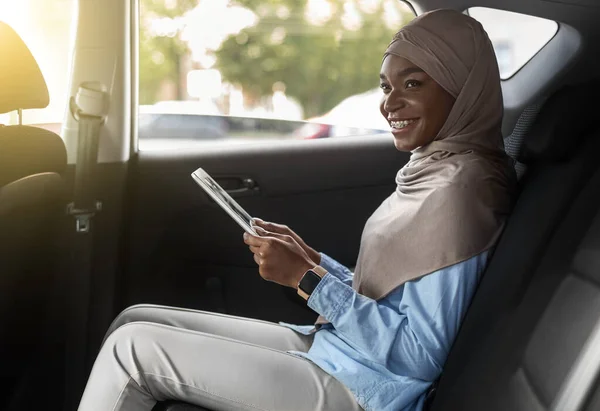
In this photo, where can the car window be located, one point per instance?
(516, 37)
(47, 28)
(246, 70)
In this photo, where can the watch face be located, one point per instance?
(309, 282)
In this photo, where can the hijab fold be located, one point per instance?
(454, 194)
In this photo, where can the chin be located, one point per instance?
(404, 145)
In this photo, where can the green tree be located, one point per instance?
(319, 64)
(160, 55)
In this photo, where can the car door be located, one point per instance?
(184, 250)
(180, 248)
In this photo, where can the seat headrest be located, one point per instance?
(565, 119)
(26, 150)
(22, 84)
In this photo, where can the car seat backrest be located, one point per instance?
(32, 204)
(560, 162)
(565, 118)
(524, 362)
(26, 150)
(30, 190)
(30, 210)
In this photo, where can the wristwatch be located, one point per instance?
(309, 281)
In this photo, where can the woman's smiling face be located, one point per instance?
(415, 106)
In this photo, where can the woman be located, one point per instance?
(384, 332)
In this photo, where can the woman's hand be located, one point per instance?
(279, 257)
(285, 230)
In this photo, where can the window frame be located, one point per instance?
(515, 72)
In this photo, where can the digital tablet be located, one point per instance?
(223, 199)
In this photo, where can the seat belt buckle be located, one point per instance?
(83, 216)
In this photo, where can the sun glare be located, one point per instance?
(46, 28)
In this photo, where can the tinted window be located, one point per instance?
(244, 70)
(516, 37)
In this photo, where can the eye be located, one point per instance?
(412, 83)
(385, 87)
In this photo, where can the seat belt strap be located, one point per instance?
(89, 108)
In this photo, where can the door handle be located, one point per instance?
(247, 184)
(238, 186)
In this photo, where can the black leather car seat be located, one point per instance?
(32, 202)
(535, 305)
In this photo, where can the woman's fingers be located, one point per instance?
(260, 245)
(284, 233)
(272, 227)
(279, 258)
(254, 240)
(283, 237)
(261, 231)
(264, 228)
(257, 222)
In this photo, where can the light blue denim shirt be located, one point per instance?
(388, 352)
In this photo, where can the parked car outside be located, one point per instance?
(197, 121)
(354, 116)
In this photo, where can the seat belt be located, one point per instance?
(89, 108)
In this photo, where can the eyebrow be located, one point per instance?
(404, 72)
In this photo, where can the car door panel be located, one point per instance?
(183, 249)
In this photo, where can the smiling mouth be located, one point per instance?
(399, 125)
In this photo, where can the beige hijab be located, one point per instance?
(453, 196)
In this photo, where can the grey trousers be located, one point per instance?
(155, 353)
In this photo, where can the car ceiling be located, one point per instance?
(581, 14)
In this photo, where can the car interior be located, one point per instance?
(147, 234)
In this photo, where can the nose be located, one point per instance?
(392, 102)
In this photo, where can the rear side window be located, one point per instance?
(46, 27)
(230, 71)
(516, 37)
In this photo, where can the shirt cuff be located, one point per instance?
(333, 267)
(329, 296)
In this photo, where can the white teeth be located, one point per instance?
(401, 124)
